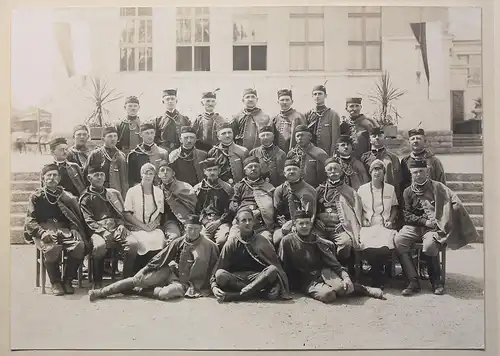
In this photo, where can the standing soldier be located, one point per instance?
(147, 151)
(79, 152)
(229, 156)
(354, 171)
(205, 125)
(168, 126)
(271, 157)
(286, 121)
(323, 122)
(247, 122)
(357, 126)
(112, 161)
(129, 134)
(185, 160)
(311, 159)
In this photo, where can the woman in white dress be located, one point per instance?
(143, 211)
(380, 209)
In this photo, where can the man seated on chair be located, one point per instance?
(254, 193)
(103, 211)
(180, 202)
(213, 198)
(182, 269)
(435, 216)
(292, 196)
(54, 223)
(312, 266)
(248, 266)
(339, 213)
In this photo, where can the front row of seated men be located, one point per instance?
(317, 232)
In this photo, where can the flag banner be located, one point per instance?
(62, 34)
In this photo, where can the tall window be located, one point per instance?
(473, 64)
(364, 48)
(250, 42)
(307, 44)
(136, 42)
(193, 39)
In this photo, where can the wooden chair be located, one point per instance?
(41, 271)
(114, 264)
(442, 250)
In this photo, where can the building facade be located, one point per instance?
(140, 51)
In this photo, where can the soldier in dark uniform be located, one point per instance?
(357, 126)
(79, 152)
(168, 126)
(323, 122)
(205, 125)
(129, 135)
(286, 121)
(355, 174)
(147, 151)
(247, 123)
(70, 174)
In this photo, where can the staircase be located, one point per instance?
(468, 186)
(467, 140)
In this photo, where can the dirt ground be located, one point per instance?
(454, 320)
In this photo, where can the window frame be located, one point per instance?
(136, 45)
(363, 43)
(307, 14)
(250, 43)
(468, 68)
(192, 17)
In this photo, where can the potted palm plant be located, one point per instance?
(383, 96)
(101, 95)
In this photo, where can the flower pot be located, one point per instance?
(96, 133)
(391, 131)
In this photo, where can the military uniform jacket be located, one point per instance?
(123, 128)
(272, 163)
(436, 170)
(198, 156)
(139, 156)
(205, 126)
(312, 161)
(358, 128)
(246, 126)
(237, 155)
(325, 128)
(284, 126)
(168, 128)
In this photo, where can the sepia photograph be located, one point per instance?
(247, 178)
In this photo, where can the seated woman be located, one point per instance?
(380, 208)
(143, 211)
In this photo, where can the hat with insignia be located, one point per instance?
(96, 168)
(319, 87)
(147, 126)
(266, 129)
(225, 125)
(291, 162)
(376, 131)
(56, 142)
(250, 160)
(187, 129)
(330, 160)
(80, 128)
(284, 92)
(131, 99)
(416, 163)
(193, 220)
(209, 163)
(49, 167)
(109, 129)
(301, 128)
(302, 214)
(249, 91)
(345, 139)
(169, 92)
(415, 132)
(210, 94)
(353, 101)
(164, 163)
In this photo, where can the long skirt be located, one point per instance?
(149, 241)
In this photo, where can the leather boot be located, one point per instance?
(54, 273)
(114, 288)
(128, 264)
(362, 290)
(435, 275)
(413, 287)
(70, 273)
(262, 281)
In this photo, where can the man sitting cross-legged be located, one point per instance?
(103, 211)
(312, 267)
(54, 223)
(248, 266)
(182, 268)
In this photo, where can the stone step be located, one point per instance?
(17, 220)
(470, 197)
(464, 177)
(474, 208)
(18, 207)
(16, 235)
(24, 185)
(480, 231)
(25, 176)
(477, 220)
(20, 196)
(465, 186)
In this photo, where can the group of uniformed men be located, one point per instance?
(254, 206)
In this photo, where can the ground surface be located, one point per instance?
(455, 320)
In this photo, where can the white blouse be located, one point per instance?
(377, 203)
(144, 210)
